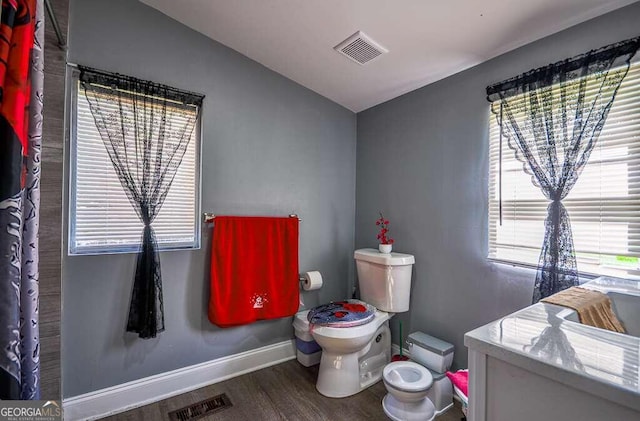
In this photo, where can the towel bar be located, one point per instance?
(208, 217)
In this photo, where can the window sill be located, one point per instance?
(582, 276)
(128, 250)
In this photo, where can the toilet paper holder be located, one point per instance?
(310, 281)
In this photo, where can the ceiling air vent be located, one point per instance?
(360, 48)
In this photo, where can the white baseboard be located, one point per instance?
(395, 349)
(123, 397)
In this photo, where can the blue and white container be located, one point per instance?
(308, 351)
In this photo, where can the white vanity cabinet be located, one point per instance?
(504, 391)
(541, 364)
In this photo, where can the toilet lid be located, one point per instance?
(407, 376)
(346, 313)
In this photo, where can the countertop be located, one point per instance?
(539, 339)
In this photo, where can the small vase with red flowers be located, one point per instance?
(385, 241)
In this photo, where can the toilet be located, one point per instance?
(408, 384)
(354, 354)
(419, 389)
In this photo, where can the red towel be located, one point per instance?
(460, 379)
(254, 269)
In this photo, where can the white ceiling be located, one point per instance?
(427, 39)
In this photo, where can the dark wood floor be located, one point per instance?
(282, 392)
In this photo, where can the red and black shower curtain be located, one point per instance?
(21, 83)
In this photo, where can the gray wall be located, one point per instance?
(270, 147)
(422, 158)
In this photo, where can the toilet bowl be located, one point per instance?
(352, 357)
(408, 384)
(348, 363)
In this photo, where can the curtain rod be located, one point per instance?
(208, 217)
(56, 27)
(116, 79)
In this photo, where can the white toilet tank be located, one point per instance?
(384, 279)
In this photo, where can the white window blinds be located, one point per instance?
(102, 219)
(604, 205)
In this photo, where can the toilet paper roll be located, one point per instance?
(312, 280)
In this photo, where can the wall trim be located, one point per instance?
(395, 349)
(130, 395)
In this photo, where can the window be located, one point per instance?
(102, 219)
(604, 205)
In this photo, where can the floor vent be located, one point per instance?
(201, 409)
(360, 48)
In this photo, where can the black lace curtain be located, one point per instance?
(552, 118)
(146, 128)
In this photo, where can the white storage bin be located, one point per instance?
(433, 353)
(308, 351)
